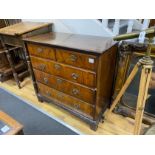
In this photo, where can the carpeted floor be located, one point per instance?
(34, 121)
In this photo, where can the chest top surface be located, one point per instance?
(22, 28)
(87, 43)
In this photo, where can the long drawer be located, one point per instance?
(81, 76)
(76, 59)
(73, 89)
(41, 51)
(68, 101)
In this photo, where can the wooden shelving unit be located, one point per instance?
(5, 69)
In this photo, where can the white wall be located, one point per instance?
(77, 26)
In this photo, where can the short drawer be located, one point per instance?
(81, 76)
(79, 91)
(41, 51)
(66, 100)
(77, 59)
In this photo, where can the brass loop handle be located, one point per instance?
(75, 91)
(39, 50)
(48, 93)
(60, 95)
(57, 66)
(75, 76)
(46, 80)
(76, 106)
(42, 66)
(59, 81)
(73, 58)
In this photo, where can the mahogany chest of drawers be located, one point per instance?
(75, 72)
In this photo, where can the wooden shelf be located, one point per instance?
(2, 51)
(6, 71)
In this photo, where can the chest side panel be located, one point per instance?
(105, 79)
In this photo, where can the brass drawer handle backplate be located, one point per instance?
(73, 58)
(42, 67)
(76, 106)
(75, 76)
(59, 81)
(39, 50)
(45, 80)
(59, 95)
(57, 66)
(48, 93)
(75, 91)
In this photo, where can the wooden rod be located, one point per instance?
(140, 100)
(125, 86)
(142, 96)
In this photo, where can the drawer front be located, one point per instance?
(76, 59)
(76, 90)
(70, 73)
(41, 51)
(68, 101)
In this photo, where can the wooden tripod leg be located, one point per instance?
(143, 90)
(125, 86)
